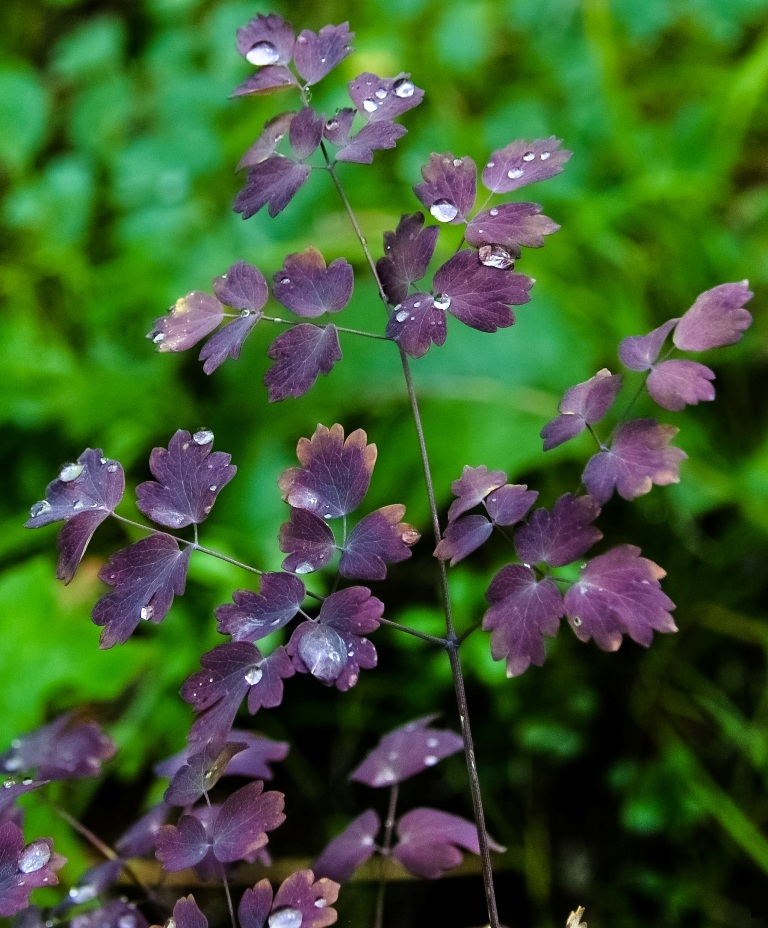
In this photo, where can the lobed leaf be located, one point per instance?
(416, 324)
(308, 288)
(61, 750)
(268, 79)
(381, 99)
(309, 899)
(717, 318)
(242, 287)
(463, 536)
(521, 163)
(201, 773)
(472, 487)
(190, 319)
(338, 127)
(510, 503)
(23, 869)
(266, 144)
(380, 538)
(186, 914)
(266, 40)
(639, 352)
(228, 341)
(255, 615)
(449, 188)
(675, 384)
(560, 535)
(317, 54)
(272, 183)
(350, 849)
(407, 253)
(375, 136)
(301, 354)
(308, 542)
(511, 225)
(305, 133)
(582, 405)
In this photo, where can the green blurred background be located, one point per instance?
(632, 783)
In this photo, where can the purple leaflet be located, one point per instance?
(186, 914)
(416, 324)
(334, 475)
(252, 761)
(305, 133)
(522, 611)
(301, 354)
(255, 615)
(84, 495)
(380, 538)
(350, 849)
(717, 318)
(407, 253)
(266, 144)
(479, 295)
(275, 181)
(406, 751)
(338, 127)
(189, 478)
(310, 900)
(266, 40)
(231, 672)
(449, 188)
(23, 869)
(255, 905)
(64, 749)
(146, 575)
(639, 457)
(673, 384)
(308, 542)
(510, 503)
(190, 319)
(140, 838)
(316, 54)
(511, 225)
(374, 136)
(560, 535)
(228, 341)
(472, 487)
(237, 831)
(429, 842)
(272, 77)
(582, 405)
(308, 288)
(521, 163)
(639, 352)
(336, 649)
(380, 99)
(242, 287)
(618, 593)
(115, 913)
(200, 774)
(463, 536)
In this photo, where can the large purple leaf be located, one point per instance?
(417, 323)
(407, 253)
(305, 133)
(83, 495)
(308, 288)
(449, 188)
(383, 98)
(300, 354)
(272, 183)
(316, 54)
(380, 538)
(717, 318)
(511, 225)
(269, 78)
(479, 295)
(406, 751)
(582, 405)
(228, 341)
(472, 487)
(254, 615)
(182, 845)
(429, 842)
(618, 593)
(510, 503)
(186, 914)
(266, 40)
(334, 475)
(188, 480)
(374, 136)
(521, 163)
(190, 319)
(301, 900)
(200, 774)
(243, 822)
(523, 610)
(463, 536)
(266, 144)
(61, 750)
(639, 352)
(560, 535)
(23, 869)
(146, 576)
(242, 287)
(675, 384)
(308, 542)
(639, 457)
(350, 849)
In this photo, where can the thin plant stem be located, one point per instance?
(223, 873)
(432, 639)
(339, 328)
(386, 848)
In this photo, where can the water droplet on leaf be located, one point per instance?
(442, 301)
(111, 468)
(323, 651)
(320, 903)
(494, 212)
(444, 210)
(254, 675)
(262, 53)
(370, 106)
(402, 315)
(495, 256)
(404, 88)
(147, 612)
(528, 156)
(203, 437)
(380, 93)
(285, 918)
(39, 508)
(430, 760)
(304, 568)
(34, 857)
(70, 472)
(431, 742)
(158, 338)
(514, 173)
(544, 155)
(576, 621)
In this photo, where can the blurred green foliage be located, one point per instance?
(632, 783)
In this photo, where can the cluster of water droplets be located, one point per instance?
(402, 88)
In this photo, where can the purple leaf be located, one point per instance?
(305, 133)
(463, 536)
(377, 540)
(673, 384)
(300, 354)
(269, 78)
(228, 341)
(255, 615)
(472, 487)
(186, 914)
(717, 318)
(449, 188)
(266, 40)
(639, 352)
(479, 295)
(190, 319)
(405, 752)
(308, 288)
(255, 905)
(338, 127)
(308, 542)
(618, 593)
(64, 749)
(141, 837)
(302, 901)
(639, 457)
(510, 503)
(23, 869)
(349, 850)
(189, 478)
(416, 324)
(200, 774)
(429, 842)
(83, 495)
(242, 287)
(316, 54)
(11, 791)
(521, 163)
(275, 182)
(266, 144)
(407, 253)
(374, 136)
(522, 611)
(259, 753)
(145, 575)
(182, 845)
(380, 99)
(335, 474)
(582, 405)
(243, 821)
(560, 535)
(511, 225)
